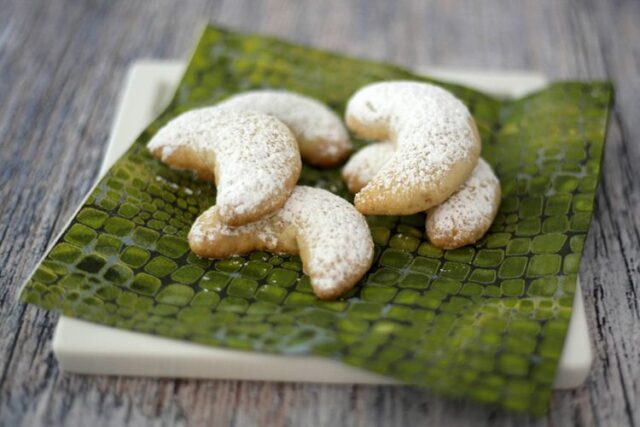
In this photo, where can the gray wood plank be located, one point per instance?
(61, 65)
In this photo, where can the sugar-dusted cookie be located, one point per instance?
(460, 220)
(252, 158)
(365, 164)
(322, 138)
(467, 215)
(330, 235)
(436, 139)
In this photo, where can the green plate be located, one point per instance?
(485, 322)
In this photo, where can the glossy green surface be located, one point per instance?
(485, 321)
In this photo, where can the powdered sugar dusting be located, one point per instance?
(252, 155)
(461, 219)
(431, 128)
(333, 237)
(207, 229)
(469, 211)
(365, 164)
(310, 120)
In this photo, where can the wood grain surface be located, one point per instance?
(62, 63)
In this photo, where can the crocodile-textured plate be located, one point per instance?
(89, 348)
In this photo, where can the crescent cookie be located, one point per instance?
(436, 141)
(468, 214)
(330, 235)
(252, 158)
(363, 165)
(460, 220)
(322, 138)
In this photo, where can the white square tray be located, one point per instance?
(88, 348)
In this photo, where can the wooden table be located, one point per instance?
(61, 66)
